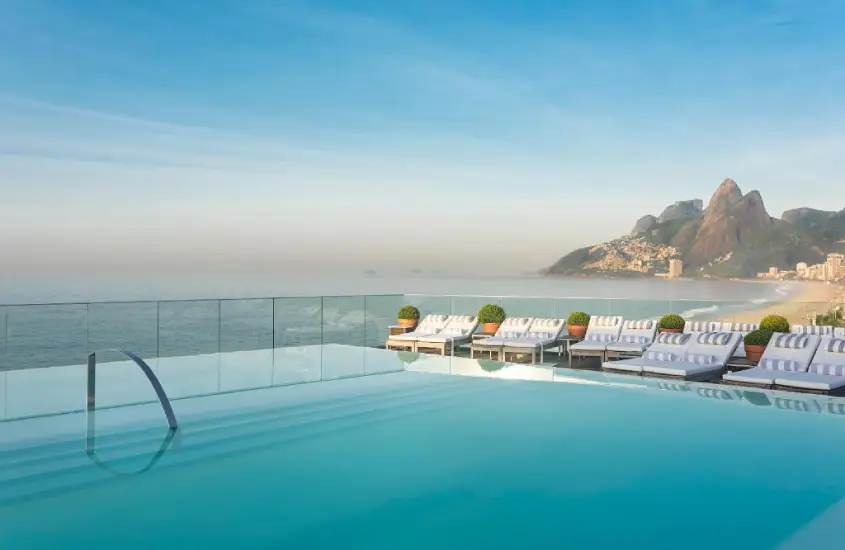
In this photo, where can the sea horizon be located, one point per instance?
(76, 289)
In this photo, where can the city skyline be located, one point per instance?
(331, 134)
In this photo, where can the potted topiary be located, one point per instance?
(755, 343)
(491, 317)
(774, 323)
(671, 322)
(408, 316)
(577, 324)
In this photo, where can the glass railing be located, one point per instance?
(63, 334)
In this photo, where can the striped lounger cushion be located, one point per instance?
(790, 341)
(673, 338)
(836, 346)
(784, 365)
(644, 324)
(600, 337)
(633, 339)
(714, 338)
(700, 359)
(829, 370)
(660, 356)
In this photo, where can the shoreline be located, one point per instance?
(815, 298)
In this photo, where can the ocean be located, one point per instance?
(58, 320)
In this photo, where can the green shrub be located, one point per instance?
(578, 319)
(775, 323)
(830, 319)
(408, 312)
(671, 321)
(490, 366)
(491, 313)
(759, 337)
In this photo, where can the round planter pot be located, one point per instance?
(753, 353)
(407, 322)
(672, 330)
(490, 328)
(577, 331)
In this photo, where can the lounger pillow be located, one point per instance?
(645, 324)
(700, 358)
(836, 345)
(786, 365)
(594, 337)
(830, 370)
(540, 335)
(660, 356)
(633, 339)
(606, 321)
(790, 341)
(673, 338)
(714, 338)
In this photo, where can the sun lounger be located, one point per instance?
(542, 335)
(601, 332)
(694, 327)
(667, 346)
(458, 331)
(635, 337)
(707, 355)
(742, 329)
(825, 373)
(431, 324)
(839, 332)
(785, 353)
(818, 330)
(511, 329)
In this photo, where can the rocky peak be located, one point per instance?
(726, 194)
(681, 210)
(644, 224)
(730, 219)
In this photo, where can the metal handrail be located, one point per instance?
(91, 401)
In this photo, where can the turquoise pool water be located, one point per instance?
(422, 452)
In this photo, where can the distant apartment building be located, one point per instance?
(801, 269)
(676, 268)
(773, 271)
(835, 263)
(832, 269)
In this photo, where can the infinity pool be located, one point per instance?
(342, 447)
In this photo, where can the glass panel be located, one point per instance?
(298, 321)
(381, 314)
(41, 336)
(246, 370)
(189, 376)
(376, 361)
(246, 325)
(430, 305)
(128, 326)
(344, 320)
(343, 362)
(593, 306)
(469, 305)
(188, 328)
(529, 307)
(297, 365)
(639, 309)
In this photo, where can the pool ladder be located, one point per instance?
(90, 409)
(91, 400)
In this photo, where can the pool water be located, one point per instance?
(433, 453)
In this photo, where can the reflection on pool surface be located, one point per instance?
(342, 447)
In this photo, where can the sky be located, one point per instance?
(477, 136)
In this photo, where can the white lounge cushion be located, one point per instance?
(809, 381)
(634, 364)
(626, 347)
(412, 336)
(589, 346)
(757, 376)
(681, 368)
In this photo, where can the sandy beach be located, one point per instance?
(817, 297)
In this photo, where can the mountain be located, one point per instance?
(681, 210)
(825, 224)
(733, 237)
